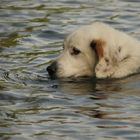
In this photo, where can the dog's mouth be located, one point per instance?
(54, 73)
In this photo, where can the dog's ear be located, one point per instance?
(98, 46)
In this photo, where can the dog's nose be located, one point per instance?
(52, 69)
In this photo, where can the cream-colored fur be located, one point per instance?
(114, 55)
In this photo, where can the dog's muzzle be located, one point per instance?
(52, 69)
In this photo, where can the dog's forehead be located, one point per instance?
(83, 36)
(77, 38)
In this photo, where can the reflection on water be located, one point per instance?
(34, 107)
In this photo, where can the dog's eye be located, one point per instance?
(75, 51)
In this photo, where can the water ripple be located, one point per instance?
(32, 106)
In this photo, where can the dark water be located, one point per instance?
(32, 107)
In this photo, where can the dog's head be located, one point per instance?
(80, 54)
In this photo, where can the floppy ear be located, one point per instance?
(98, 46)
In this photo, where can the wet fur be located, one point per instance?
(105, 52)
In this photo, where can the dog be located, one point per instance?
(97, 50)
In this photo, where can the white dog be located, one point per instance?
(97, 49)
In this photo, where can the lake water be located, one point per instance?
(33, 107)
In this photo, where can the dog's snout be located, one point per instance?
(52, 69)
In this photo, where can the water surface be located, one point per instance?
(34, 107)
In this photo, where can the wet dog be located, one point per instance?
(97, 50)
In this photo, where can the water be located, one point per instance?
(33, 107)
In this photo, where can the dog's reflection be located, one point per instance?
(99, 98)
(86, 86)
